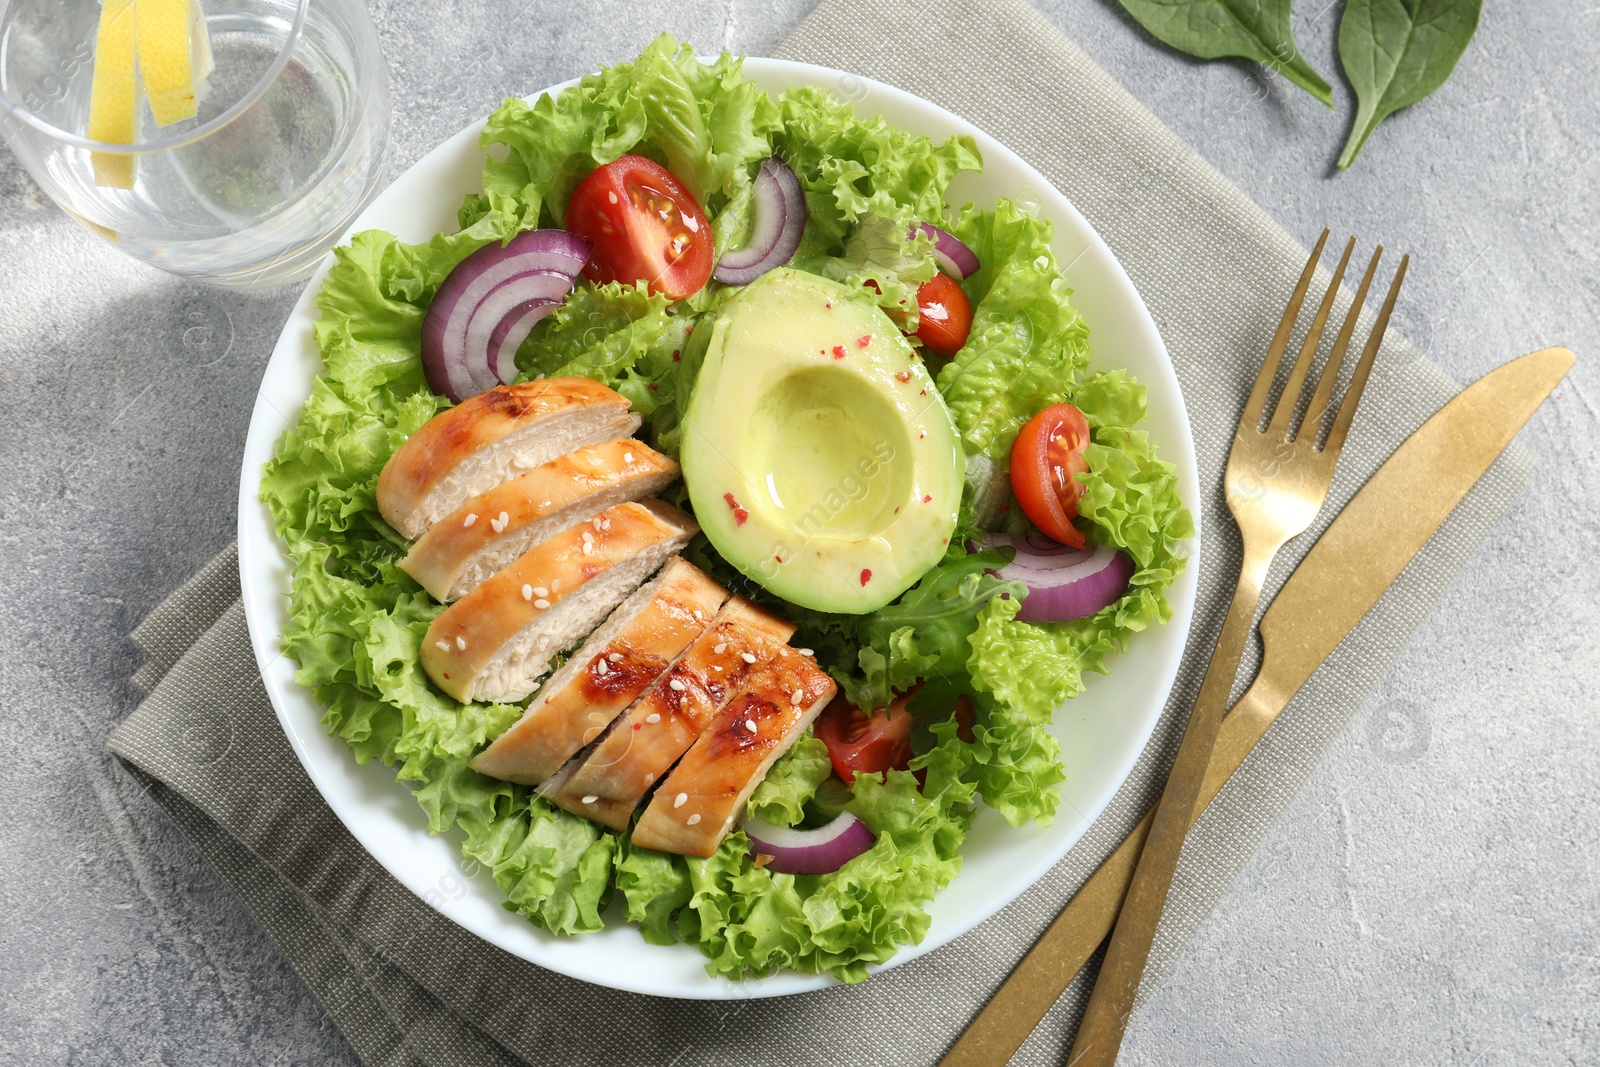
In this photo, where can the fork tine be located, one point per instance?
(1290, 399)
(1358, 381)
(1257, 401)
(1317, 410)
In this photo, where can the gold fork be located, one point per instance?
(1275, 483)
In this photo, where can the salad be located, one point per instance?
(953, 585)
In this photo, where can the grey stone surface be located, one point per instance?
(1431, 897)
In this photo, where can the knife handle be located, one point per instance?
(1084, 924)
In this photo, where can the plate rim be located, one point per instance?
(263, 635)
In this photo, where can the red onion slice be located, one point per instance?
(1064, 583)
(820, 851)
(536, 265)
(511, 331)
(779, 209)
(952, 255)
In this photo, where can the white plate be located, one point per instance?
(1101, 733)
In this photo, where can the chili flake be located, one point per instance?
(740, 515)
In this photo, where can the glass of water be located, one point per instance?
(288, 142)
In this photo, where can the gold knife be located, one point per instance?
(1359, 556)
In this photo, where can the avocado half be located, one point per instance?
(820, 459)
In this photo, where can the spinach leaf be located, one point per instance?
(1395, 52)
(1249, 29)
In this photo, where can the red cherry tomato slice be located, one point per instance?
(1046, 459)
(944, 316)
(859, 743)
(645, 227)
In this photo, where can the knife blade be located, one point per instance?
(1357, 558)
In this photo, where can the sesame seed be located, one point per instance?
(540, 590)
(807, 652)
(676, 685)
(615, 657)
(694, 818)
(611, 197)
(527, 592)
(600, 668)
(461, 644)
(698, 614)
(720, 647)
(442, 646)
(541, 604)
(605, 524)
(555, 583)
(588, 538)
(750, 724)
(590, 799)
(545, 504)
(471, 518)
(627, 457)
(717, 669)
(650, 777)
(653, 718)
(680, 800)
(747, 657)
(797, 696)
(588, 548)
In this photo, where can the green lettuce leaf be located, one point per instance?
(792, 781)
(867, 183)
(707, 123)
(1025, 671)
(1027, 343)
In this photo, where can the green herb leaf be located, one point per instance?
(1395, 52)
(1249, 29)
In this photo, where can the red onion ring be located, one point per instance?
(779, 219)
(820, 851)
(495, 283)
(952, 255)
(1063, 583)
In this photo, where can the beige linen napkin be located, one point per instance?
(407, 986)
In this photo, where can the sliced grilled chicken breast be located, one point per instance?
(495, 642)
(615, 665)
(491, 438)
(606, 782)
(490, 530)
(693, 810)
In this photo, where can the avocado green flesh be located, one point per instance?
(819, 457)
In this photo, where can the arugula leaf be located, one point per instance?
(1396, 52)
(922, 635)
(1248, 29)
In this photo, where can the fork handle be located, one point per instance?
(1106, 1017)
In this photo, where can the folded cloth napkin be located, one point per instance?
(407, 986)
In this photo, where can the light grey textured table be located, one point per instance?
(1431, 897)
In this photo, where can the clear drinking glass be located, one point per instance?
(290, 141)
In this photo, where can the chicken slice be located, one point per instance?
(491, 438)
(606, 782)
(694, 809)
(495, 642)
(615, 665)
(490, 530)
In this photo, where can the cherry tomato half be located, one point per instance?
(859, 743)
(1046, 459)
(644, 225)
(944, 316)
